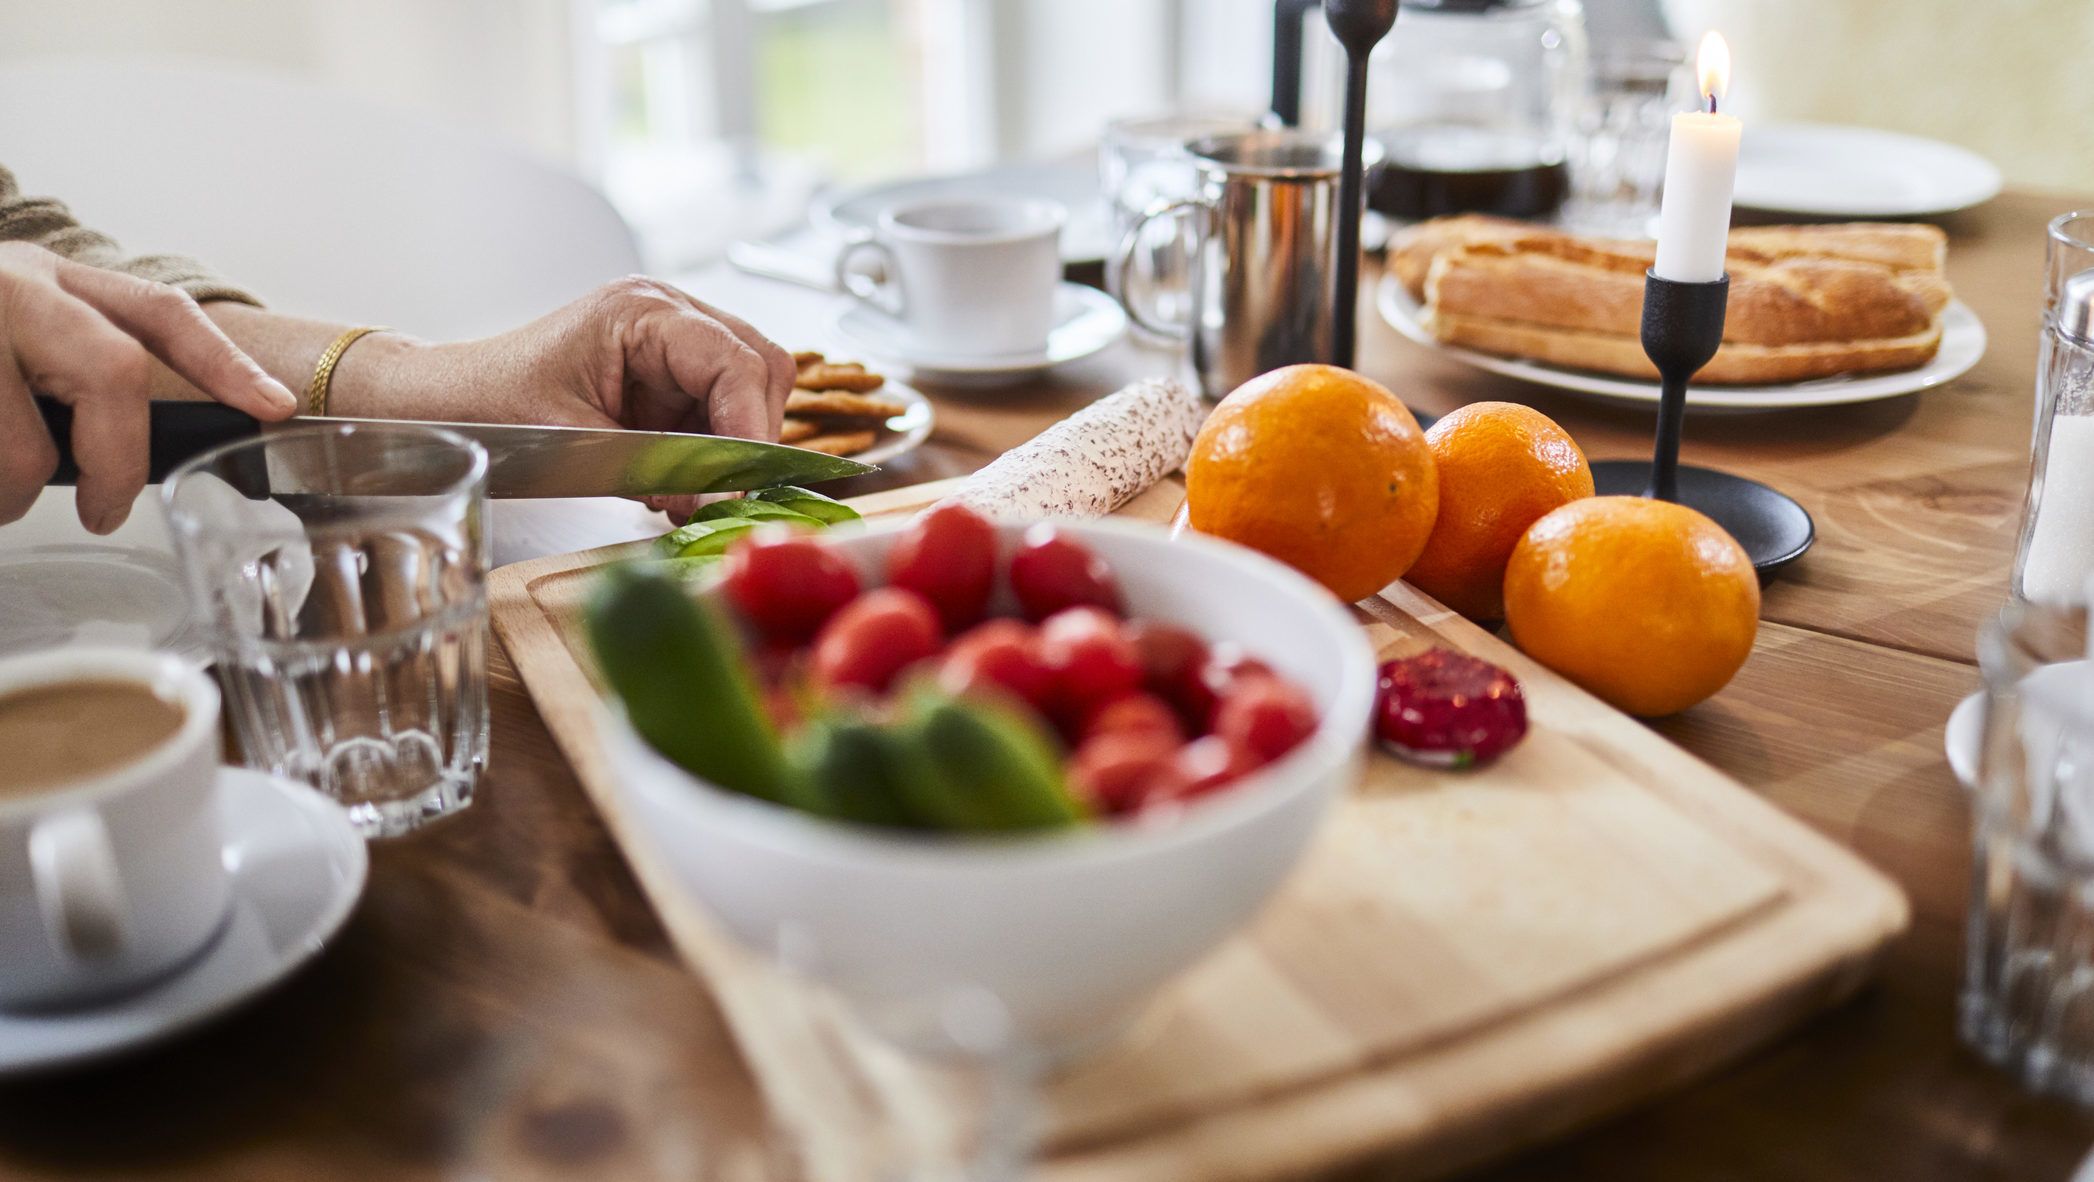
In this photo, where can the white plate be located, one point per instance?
(1086, 320)
(1825, 170)
(1086, 237)
(908, 429)
(298, 868)
(60, 584)
(1962, 344)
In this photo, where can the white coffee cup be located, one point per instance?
(970, 276)
(114, 878)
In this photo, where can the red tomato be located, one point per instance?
(787, 585)
(949, 558)
(1137, 713)
(1050, 573)
(1117, 772)
(1172, 659)
(1091, 659)
(1003, 655)
(1266, 717)
(1226, 668)
(875, 637)
(1204, 765)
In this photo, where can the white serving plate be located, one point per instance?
(1962, 344)
(1086, 237)
(1827, 170)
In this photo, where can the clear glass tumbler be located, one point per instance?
(339, 570)
(2067, 252)
(2028, 987)
(1618, 135)
(1142, 162)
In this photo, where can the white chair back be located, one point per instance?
(322, 202)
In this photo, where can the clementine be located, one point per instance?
(1320, 468)
(1501, 467)
(1649, 605)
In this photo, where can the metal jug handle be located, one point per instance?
(1287, 19)
(1129, 244)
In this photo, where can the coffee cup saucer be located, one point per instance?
(1086, 320)
(297, 869)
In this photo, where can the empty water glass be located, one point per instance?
(2028, 989)
(1142, 162)
(339, 570)
(2067, 252)
(1619, 133)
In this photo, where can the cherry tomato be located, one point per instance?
(1137, 713)
(787, 585)
(1171, 660)
(1051, 573)
(1226, 668)
(875, 637)
(949, 558)
(1266, 717)
(1118, 772)
(1001, 655)
(1204, 765)
(1091, 659)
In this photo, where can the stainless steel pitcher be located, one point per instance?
(1263, 238)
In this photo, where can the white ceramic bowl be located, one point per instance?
(1071, 932)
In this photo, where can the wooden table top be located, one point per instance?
(503, 1005)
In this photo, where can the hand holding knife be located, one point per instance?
(522, 461)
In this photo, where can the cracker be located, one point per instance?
(844, 443)
(841, 404)
(828, 375)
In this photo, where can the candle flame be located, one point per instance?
(1713, 64)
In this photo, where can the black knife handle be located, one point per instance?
(177, 432)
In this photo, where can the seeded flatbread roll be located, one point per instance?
(841, 404)
(848, 443)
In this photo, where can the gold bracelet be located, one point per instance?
(323, 373)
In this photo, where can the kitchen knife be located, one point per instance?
(521, 461)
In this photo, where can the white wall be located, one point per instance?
(501, 66)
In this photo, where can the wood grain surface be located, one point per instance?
(1463, 962)
(505, 1005)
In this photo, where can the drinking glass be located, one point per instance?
(1619, 132)
(1142, 162)
(2028, 986)
(2067, 252)
(340, 573)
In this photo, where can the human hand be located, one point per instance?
(634, 353)
(87, 337)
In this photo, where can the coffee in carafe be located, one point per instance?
(1431, 171)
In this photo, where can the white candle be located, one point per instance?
(1701, 168)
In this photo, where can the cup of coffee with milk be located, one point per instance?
(962, 276)
(111, 860)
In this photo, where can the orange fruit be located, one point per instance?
(1647, 604)
(1501, 467)
(1321, 469)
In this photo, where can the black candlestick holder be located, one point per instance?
(1682, 329)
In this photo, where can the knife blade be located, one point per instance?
(521, 461)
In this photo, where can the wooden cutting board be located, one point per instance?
(1465, 963)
